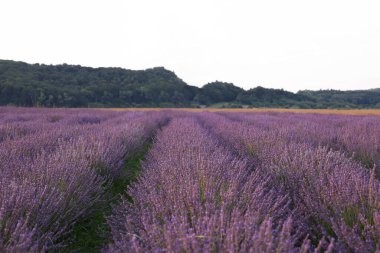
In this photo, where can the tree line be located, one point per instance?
(23, 84)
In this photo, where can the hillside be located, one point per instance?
(65, 85)
(76, 86)
(350, 99)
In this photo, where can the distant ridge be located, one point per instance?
(24, 84)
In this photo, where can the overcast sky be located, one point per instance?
(292, 44)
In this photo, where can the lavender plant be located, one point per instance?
(53, 170)
(195, 196)
(333, 195)
(212, 182)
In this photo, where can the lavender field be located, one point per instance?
(177, 181)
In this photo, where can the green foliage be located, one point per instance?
(23, 84)
(75, 86)
(345, 99)
(217, 92)
(91, 234)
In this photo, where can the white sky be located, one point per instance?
(292, 44)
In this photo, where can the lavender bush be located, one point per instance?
(196, 196)
(212, 182)
(333, 195)
(54, 165)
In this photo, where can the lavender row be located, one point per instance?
(333, 195)
(194, 195)
(54, 174)
(357, 136)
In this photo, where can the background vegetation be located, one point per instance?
(65, 85)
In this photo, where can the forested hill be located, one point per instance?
(65, 85)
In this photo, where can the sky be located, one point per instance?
(292, 44)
